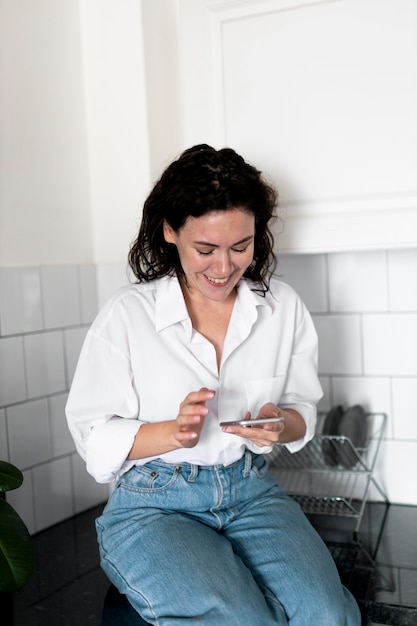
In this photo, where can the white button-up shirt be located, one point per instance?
(141, 358)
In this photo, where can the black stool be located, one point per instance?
(117, 611)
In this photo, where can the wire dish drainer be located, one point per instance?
(330, 475)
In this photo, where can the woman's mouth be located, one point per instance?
(217, 281)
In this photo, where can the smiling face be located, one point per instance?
(215, 250)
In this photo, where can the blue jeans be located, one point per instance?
(218, 546)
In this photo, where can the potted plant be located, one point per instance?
(16, 549)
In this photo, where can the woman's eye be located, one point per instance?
(207, 252)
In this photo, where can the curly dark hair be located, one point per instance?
(201, 180)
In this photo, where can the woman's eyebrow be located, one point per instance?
(215, 245)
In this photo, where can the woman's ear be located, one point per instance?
(169, 233)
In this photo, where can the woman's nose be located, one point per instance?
(223, 263)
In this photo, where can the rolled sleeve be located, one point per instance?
(108, 447)
(103, 408)
(303, 389)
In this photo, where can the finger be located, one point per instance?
(276, 427)
(188, 439)
(192, 416)
(187, 422)
(203, 395)
(197, 397)
(270, 410)
(194, 405)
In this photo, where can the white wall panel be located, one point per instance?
(44, 194)
(322, 96)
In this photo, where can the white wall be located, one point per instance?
(44, 315)
(116, 121)
(162, 66)
(322, 97)
(89, 113)
(364, 305)
(45, 206)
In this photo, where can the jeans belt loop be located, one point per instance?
(193, 473)
(248, 463)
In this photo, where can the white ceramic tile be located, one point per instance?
(110, 277)
(52, 487)
(20, 300)
(325, 403)
(374, 394)
(404, 392)
(358, 281)
(87, 493)
(390, 344)
(73, 340)
(29, 436)
(62, 442)
(4, 448)
(402, 274)
(396, 467)
(45, 364)
(88, 292)
(306, 273)
(12, 371)
(60, 296)
(21, 500)
(339, 344)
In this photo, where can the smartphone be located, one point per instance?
(254, 422)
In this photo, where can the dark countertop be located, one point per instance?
(380, 568)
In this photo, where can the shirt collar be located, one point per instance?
(171, 308)
(247, 296)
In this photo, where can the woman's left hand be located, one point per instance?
(265, 434)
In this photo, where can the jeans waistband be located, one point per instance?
(191, 470)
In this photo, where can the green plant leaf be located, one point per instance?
(10, 476)
(16, 550)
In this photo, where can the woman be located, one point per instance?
(196, 530)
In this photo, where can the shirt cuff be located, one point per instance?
(108, 447)
(309, 414)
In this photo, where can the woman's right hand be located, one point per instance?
(156, 438)
(189, 421)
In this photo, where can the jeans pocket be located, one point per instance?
(148, 478)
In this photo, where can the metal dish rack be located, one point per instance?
(330, 475)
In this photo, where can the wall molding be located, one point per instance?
(325, 222)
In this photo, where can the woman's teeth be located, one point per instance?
(217, 281)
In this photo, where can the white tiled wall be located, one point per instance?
(44, 315)
(364, 305)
